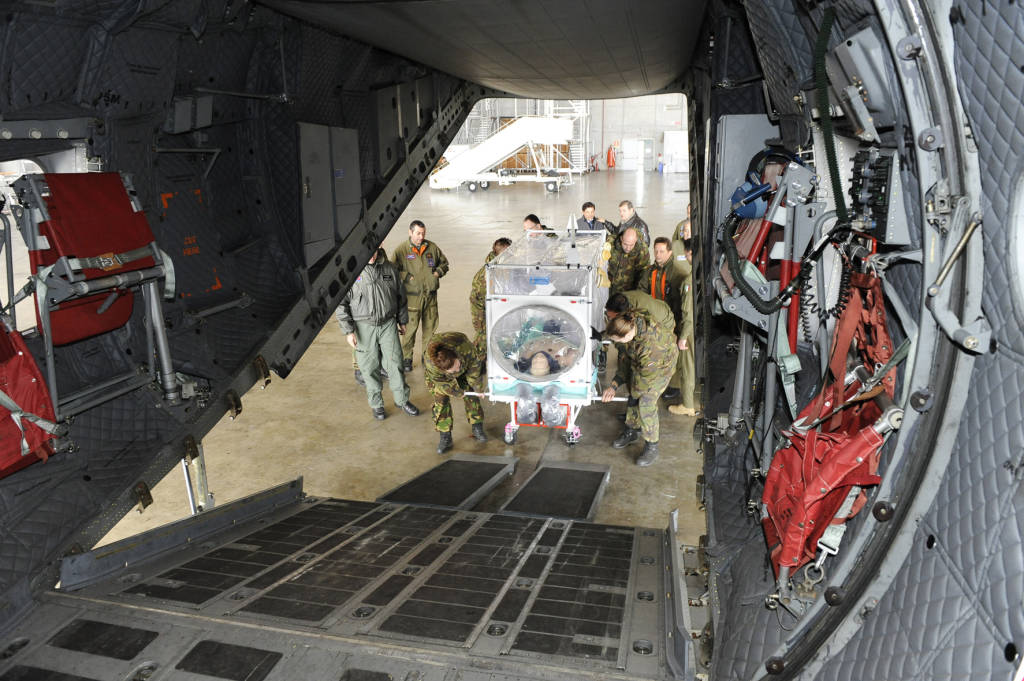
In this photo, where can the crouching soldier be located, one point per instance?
(651, 350)
(372, 315)
(452, 367)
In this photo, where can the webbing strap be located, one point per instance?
(17, 414)
(110, 261)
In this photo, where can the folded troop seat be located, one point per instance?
(90, 247)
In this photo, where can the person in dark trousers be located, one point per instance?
(422, 264)
(373, 315)
(628, 218)
(590, 221)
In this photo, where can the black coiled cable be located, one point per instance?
(809, 306)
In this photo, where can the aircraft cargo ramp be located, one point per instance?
(281, 586)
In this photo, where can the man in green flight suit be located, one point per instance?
(452, 366)
(663, 280)
(478, 294)
(687, 376)
(422, 264)
(372, 315)
(652, 356)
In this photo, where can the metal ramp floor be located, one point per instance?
(332, 589)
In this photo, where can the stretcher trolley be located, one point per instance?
(544, 304)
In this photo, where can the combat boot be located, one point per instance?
(478, 432)
(680, 410)
(649, 455)
(628, 435)
(445, 442)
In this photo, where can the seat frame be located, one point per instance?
(65, 281)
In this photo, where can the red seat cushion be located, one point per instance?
(21, 379)
(90, 215)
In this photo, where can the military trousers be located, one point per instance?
(643, 416)
(378, 345)
(422, 311)
(442, 407)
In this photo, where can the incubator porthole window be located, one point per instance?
(537, 343)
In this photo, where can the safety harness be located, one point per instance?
(815, 484)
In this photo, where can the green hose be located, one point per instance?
(825, 112)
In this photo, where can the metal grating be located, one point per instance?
(453, 603)
(311, 531)
(580, 607)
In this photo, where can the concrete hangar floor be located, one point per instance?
(317, 424)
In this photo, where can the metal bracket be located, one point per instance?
(142, 495)
(200, 498)
(263, 369)
(234, 404)
(975, 336)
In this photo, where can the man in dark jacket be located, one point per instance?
(372, 315)
(590, 221)
(629, 218)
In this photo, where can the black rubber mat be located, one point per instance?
(457, 483)
(22, 673)
(100, 638)
(226, 661)
(561, 491)
(364, 675)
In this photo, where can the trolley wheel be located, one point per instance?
(511, 431)
(551, 186)
(471, 186)
(485, 185)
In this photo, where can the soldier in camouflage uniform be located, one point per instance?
(636, 301)
(626, 260)
(664, 281)
(478, 295)
(652, 354)
(453, 366)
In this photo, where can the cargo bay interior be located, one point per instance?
(194, 187)
(331, 438)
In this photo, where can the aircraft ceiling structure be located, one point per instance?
(545, 49)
